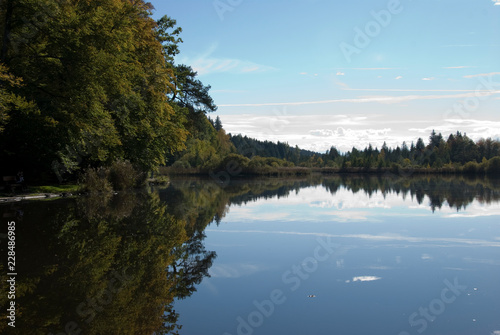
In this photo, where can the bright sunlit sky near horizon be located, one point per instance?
(300, 71)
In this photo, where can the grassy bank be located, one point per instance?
(54, 189)
(44, 189)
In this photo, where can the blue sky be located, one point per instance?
(317, 73)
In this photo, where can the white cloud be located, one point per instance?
(386, 99)
(342, 85)
(371, 98)
(322, 132)
(207, 64)
(349, 216)
(318, 132)
(476, 210)
(246, 213)
(313, 132)
(340, 73)
(365, 278)
(399, 77)
(251, 68)
(215, 65)
(482, 74)
(308, 74)
(475, 129)
(429, 78)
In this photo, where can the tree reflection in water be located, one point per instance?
(115, 265)
(102, 265)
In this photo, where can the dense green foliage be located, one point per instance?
(457, 154)
(250, 147)
(9, 100)
(120, 176)
(86, 83)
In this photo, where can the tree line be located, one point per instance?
(252, 147)
(457, 151)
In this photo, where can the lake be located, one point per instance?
(313, 255)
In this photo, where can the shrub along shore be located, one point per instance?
(237, 165)
(122, 176)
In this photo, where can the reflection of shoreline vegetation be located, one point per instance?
(156, 243)
(212, 200)
(82, 244)
(457, 192)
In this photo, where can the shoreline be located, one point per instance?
(291, 171)
(270, 173)
(36, 196)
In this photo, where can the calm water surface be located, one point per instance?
(317, 255)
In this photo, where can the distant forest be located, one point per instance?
(249, 147)
(456, 153)
(456, 149)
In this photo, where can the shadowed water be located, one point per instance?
(336, 255)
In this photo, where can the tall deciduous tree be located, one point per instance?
(98, 73)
